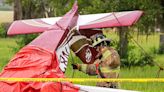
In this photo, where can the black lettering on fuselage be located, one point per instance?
(63, 58)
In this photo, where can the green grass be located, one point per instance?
(144, 72)
(135, 72)
(5, 50)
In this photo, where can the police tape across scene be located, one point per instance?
(83, 79)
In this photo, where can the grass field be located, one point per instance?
(135, 72)
(6, 16)
(5, 50)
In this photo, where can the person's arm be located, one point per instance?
(89, 69)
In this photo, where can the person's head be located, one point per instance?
(100, 40)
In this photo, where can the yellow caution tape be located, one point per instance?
(83, 79)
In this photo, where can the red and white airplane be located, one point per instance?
(47, 55)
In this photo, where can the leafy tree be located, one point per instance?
(17, 10)
(161, 23)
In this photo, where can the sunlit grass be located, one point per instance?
(5, 50)
(144, 72)
(6, 16)
(144, 87)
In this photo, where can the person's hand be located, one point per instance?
(75, 66)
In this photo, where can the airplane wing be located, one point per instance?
(106, 20)
(31, 26)
(90, 21)
(100, 89)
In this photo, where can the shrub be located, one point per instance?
(135, 56)
(23, 40)
(145, 59)
(3, 29)
(2, 32)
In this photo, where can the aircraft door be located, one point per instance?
(82, 47)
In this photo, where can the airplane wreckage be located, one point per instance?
(47, 55)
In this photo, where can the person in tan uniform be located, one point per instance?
(107, 64)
